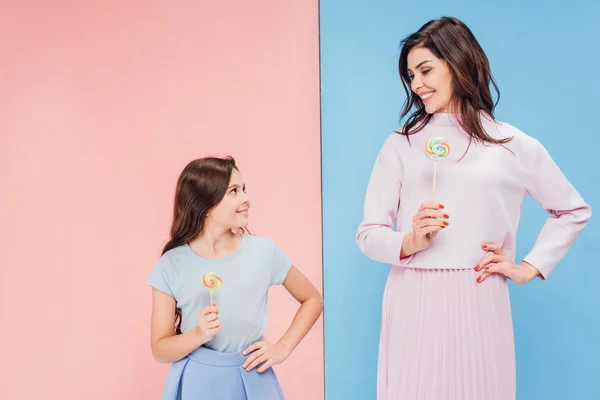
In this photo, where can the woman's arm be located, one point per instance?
(569, 213)
(375, 235)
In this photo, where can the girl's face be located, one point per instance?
(431, 80)
(232, 211)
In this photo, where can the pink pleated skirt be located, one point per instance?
(446, 337)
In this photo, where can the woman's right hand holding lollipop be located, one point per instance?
(208, 323)
(427, 222)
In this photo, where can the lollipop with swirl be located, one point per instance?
(212, 282)
(436, 148)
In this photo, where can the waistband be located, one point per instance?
(207, 356)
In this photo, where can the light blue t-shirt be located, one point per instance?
(242, 301)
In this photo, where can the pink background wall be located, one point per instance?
(101, 105)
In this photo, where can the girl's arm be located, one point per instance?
(167, 347)
(311, 306)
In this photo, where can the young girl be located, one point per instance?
(447, 327)
(217, 348)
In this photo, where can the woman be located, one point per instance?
(447, 325)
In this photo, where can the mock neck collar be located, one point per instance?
(444, 119)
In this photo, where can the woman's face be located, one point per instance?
(431, 80)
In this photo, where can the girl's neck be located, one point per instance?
(215, 243)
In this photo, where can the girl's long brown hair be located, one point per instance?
(450, 40)
(201, 185)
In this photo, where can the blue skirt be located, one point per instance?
(208, 374)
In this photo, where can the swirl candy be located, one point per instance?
(436, 148)
(212, 282)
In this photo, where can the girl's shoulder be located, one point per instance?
(257, 241)
(173, 258)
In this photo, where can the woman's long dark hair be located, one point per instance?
(201, 185)
(450, 40)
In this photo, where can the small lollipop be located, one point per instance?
(436, 148)
(212, 282)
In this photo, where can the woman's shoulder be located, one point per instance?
(394, 144)
(520, 139)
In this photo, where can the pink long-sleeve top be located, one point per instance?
(482, 193)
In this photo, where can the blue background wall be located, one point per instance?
(545, 58)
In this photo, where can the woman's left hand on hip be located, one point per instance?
(498, 263)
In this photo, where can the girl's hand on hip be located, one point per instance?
(498, 263)
(265, 353)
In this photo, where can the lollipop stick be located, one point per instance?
(211, 297)
(428, 235)
(434, 176)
